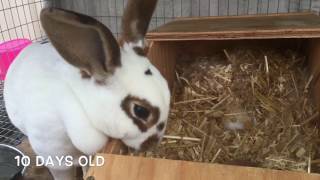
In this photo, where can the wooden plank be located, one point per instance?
(236, 27)
(314, 66)
(163, 56)
(119, 167)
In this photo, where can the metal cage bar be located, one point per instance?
(110, 11)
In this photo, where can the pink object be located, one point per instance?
(8, 51)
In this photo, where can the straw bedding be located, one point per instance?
(244, 107)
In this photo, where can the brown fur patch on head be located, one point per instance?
(127, 106)
(150, 142)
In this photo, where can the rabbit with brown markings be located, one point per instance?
(70, 95)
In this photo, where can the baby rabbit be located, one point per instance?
(73, 93)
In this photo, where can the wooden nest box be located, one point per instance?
(203, 36)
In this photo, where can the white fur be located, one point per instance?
(64, 114)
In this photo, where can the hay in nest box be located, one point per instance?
(244, 107)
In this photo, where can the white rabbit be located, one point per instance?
(71, 94)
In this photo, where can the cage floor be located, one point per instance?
(8, 133)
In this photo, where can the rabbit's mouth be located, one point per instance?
(150, 142)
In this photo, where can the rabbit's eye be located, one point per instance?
(141, 112)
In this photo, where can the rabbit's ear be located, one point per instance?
(136, 19)
(82, 41)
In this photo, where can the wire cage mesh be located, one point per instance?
(20, 19)
(8, 133)
(110, 11)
